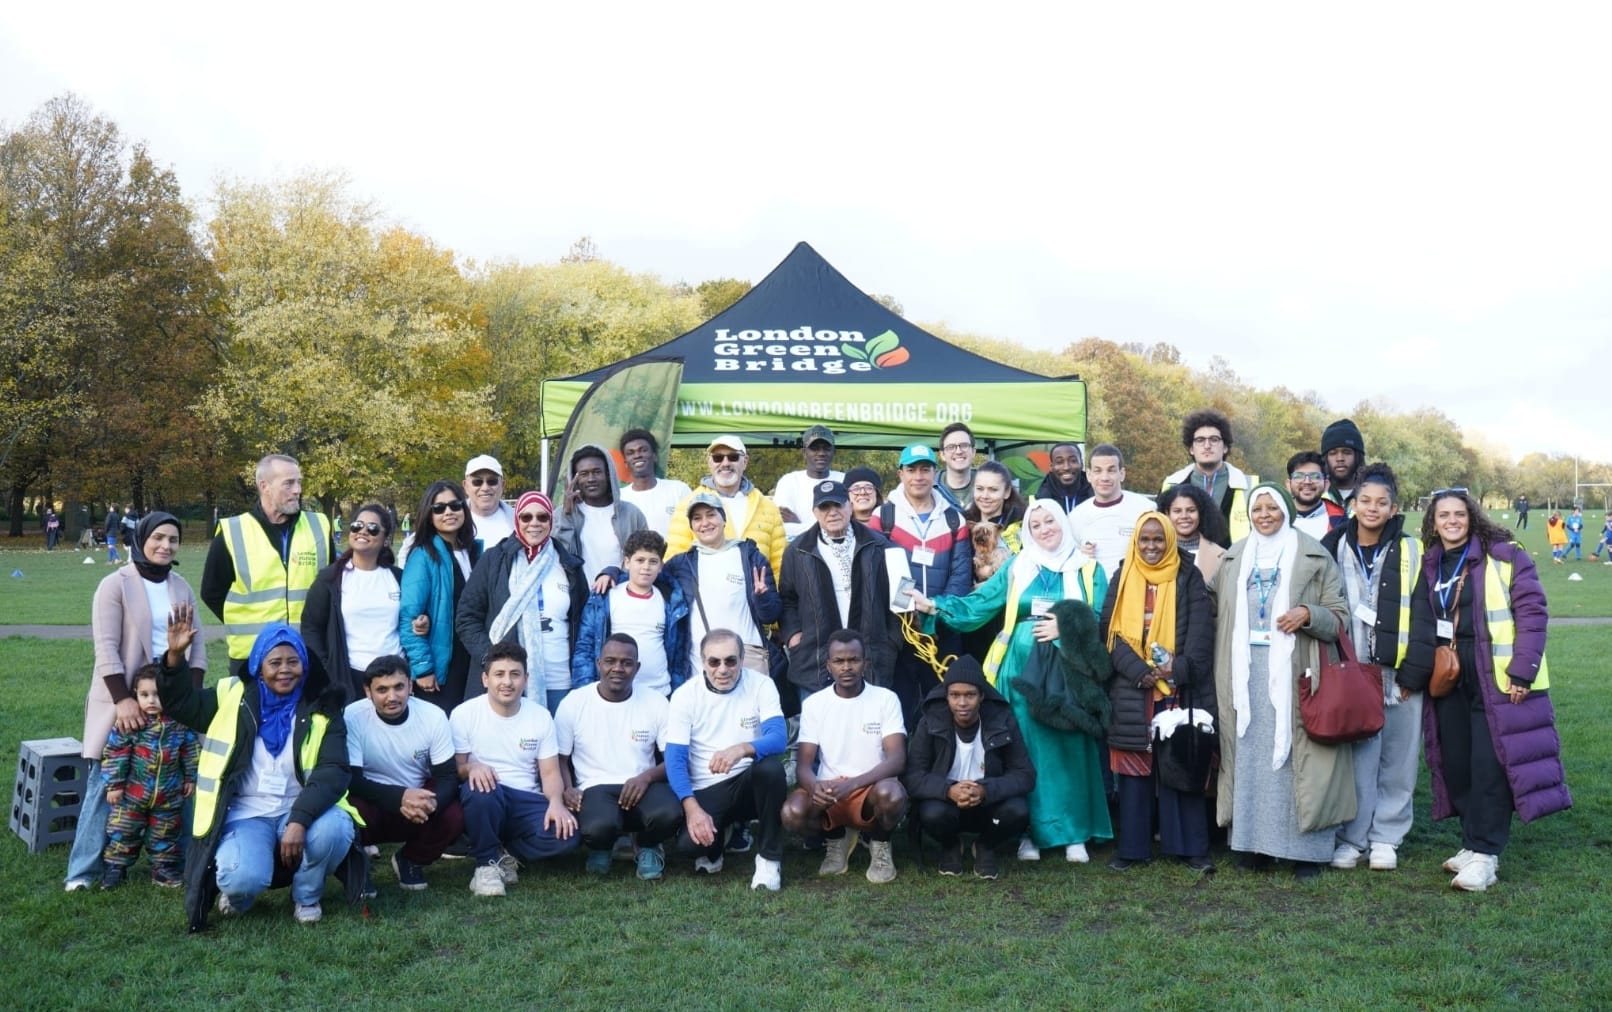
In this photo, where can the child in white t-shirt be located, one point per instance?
(651, 610)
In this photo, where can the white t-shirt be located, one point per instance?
(399, 754)
(491, 530)
(161, 604)
(369, 605)
(968, 762)
(512, 746)
(609, 743)
(597, 540)
(708, 722)
(644, 619)
(657, 504)
(736, 508)
(1108, 527)
(722, 581)
(794, 492)
(553, 670)
(849, 733)
(270, 785)
(1316, 525)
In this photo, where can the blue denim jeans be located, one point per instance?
(89, 837)
(250, 848)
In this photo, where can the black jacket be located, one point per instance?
(322, 786)
(325, 634)
(1385, 632)
(1194, 667)
(933, 746)
(485, 594)
(807, 589)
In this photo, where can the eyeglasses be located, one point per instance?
(456, 505)
(532, 518)
(1205, 440)
(862, 488)
(1307, 476)
(722, 662)
(725, 458)
(479, 482)
(955, 447)
(370, 528)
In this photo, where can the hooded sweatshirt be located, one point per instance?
(590, 545)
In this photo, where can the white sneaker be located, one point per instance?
(837, 854)
(223, 905)
(709, 865)
(1462, 858)
(1384, 857)
(1028, 851)
(1478, 875)
(508, 868)
(1345, 857)
(1075, 853)
(372, 850)
(882, 868)
(74, 885)
(487, 881)
(309, 914)
(768, 876)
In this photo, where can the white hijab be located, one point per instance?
(1063, 557)
(1279, 550)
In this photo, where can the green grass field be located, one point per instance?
(1046, 935)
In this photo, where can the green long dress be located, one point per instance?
(1068, 805)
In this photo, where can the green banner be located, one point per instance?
(641, 395)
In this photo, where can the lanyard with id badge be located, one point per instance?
(1260, 635)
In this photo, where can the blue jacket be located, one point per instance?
(765, 608)
(427, 587)
(595, 629)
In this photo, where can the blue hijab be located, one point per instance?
(274, 722)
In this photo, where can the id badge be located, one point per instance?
(923, 556)
(272, 784)
(1259, 637)
(1446, 629)
(1366, 614)
(1039, 606)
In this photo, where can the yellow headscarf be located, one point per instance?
(1130, 597)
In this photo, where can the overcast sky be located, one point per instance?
(1396, 201)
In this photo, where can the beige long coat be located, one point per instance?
(120, 625)
(1323, 775)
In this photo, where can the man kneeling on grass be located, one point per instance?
(405, 783)
(968, 770)
(853, 746)
(608, 735)
(724, 735)
(504, 744)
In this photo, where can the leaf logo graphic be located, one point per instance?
(882, 352)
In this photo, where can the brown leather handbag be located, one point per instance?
(1446, 662)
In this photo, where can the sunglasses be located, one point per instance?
(456, 505)
(724, 458)
(359, 526)
(479, 482)
(722, 662)
(531, 518)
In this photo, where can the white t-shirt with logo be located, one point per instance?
(369, 605)
(658, 504)
(723, 590)
(399, 754)
(1108, 527)
(794, 492)
(597, 540)
(609, 743)
(512, 746)
(708, 722)
(644, 619)
(849, 733)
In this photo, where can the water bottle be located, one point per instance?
(1161, 657)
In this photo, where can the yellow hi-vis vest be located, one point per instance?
(1502, 627)
(1085, 582)
(265, 588)
(1410, 559)
(219, 742)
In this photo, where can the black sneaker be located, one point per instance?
(167, 878)
(409, 875)
(951, 858)
(113, 876)
(985, 861)
(1306, 871)
(1117, 863)
(459, 849)
(739, 841)
(1200, 864)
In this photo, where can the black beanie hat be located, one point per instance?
(1341, 433)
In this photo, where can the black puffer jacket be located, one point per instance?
(1194, 667)
(1008, 770)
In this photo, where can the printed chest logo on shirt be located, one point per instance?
(750, 722)
(641, 735)
(527, 744)
(421, 755)
(305, 558)
(870, 727)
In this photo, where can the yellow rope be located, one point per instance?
(924, 645)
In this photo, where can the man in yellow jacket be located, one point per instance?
(262, 562)
(750, 514)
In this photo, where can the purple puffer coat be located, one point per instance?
(1524, 734)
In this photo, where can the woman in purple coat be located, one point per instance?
(1491, 742)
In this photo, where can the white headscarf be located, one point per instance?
(1064, 556)
(1278, 550)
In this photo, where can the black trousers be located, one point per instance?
(655, 818)
(757, 793)
(1473, 775)
(995, 822)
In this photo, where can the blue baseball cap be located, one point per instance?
(917, 453)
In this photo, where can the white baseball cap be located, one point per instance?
(485, 462)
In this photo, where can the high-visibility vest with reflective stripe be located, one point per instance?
(219, 742)
(1410, 559)
(1085, 579)
(1503, 627)
(267, 589)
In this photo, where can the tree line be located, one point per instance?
(153, 352)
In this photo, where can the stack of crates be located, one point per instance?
(51, 779)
